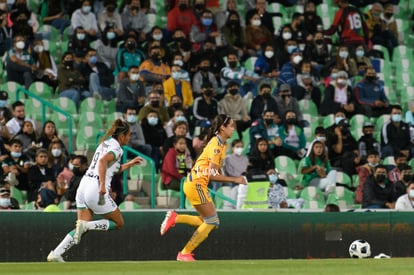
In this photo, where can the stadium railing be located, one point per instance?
(45, 104)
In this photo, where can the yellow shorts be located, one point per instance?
(196, 193)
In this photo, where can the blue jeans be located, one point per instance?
(61, 24)
(94, 86)
(75, 95)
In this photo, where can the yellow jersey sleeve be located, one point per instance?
(215, 152)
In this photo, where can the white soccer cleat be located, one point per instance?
(79, 231)
(54, 258)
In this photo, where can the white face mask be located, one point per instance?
(132, 118)
(20, 45)
(269, 54)
(70, 166)
(153, 121)
(287, 35)
(4, 202)
(411, 193)
(178, 62)
(256, 22)
(342, 81)
(38, 48)
(134, 77)
(56, 152)
(80, 36)
(338, 119)
(157, 37)
(297, 59)
(238, 151)
(176, 75)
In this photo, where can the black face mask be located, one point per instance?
(266, 95)
(77, 171)
(344, 131)
(134, 8)
(233, 64)
(208, 93)
(177, 105)
(407, 178)
(68, 64)
(156, 56)
(291, 121)
(209, 51)
(233, 91)
(380, 177)
(205, 68)
(234, 23)
(182, 7)
(319, 41)
(155, 103)
(401, 166)
(388, 14)
(131, 46)
(285, 96)
(111, 8)
(268, 121)
(371, 78)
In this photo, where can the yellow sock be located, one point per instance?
(189, 219)
(198, 237)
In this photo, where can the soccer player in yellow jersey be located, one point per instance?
(206, 168)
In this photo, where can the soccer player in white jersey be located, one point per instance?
(92, 196)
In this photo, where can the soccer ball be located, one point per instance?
(359, 249)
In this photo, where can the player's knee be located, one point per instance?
(213, 220)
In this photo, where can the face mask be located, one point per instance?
(233, 64)
(342, 81)
(333, 76)
(273, 178)
(68, 64)
(208, 93)
(131, 118)
(80, 36)
(16, 154)
(266, 95)
(155, 103)
(319, 41)
(238, 151)
(268, 121)
(20, 45)
(156, 56)
(182, 6)
(3, 103)
(372, 164)
(396, 118)
(77, 171)
(234, 91)
(134, 77)
(371, 78)
(343, 54)
(178, 62)
(297, 59)
(233, 22)
(360, 53)
(321, 139)
(38, 48)
(291, 121)
(207, 21)
(368, 136)
(110, 8)
(256, 22)
(205, 68)
(411, 193)
(269, 54)
(70, 166)
(407, 178)
(338, 119)
(56, 152)
(4, 202)
(388, 14)
(287, 35)
(284, 97)
(380, 177)
(153, 121)
(131, 45)
(180, 118)
(177, 105)
(175, 75)
(110, 35)
(86, 9)
(291, 48)
(344, 131)
(93, 60)
(361, 72)
(157, 37)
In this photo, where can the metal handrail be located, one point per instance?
(45, 104)
(149, 162)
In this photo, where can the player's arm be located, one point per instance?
(214, 174)
(103, 165)
(129, 164)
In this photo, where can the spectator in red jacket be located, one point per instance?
(176, 164)
(181, 16)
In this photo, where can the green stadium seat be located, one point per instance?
(41, 89)
(307, 106)
(67, 105)
(63, 122)
(129, 205)
(225, 191)
(11, 88)
(285, 164)
(91, 104)
(86, 138)
(90, 119)
(312, 193)
(343, 178)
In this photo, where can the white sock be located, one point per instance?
(100, 225)
(64, 245)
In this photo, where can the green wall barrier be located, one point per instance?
(29, 236)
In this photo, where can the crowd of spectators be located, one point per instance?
(200, 59)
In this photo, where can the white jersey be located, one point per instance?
(108, 146)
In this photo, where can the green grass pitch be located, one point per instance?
(251, 267)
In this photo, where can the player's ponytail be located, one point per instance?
(118, 127)
(218, 121)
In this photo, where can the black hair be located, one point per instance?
(17, 104)
(218, 121)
